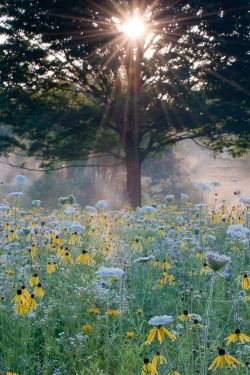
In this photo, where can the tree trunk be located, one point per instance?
(133, 166)
(131, 126)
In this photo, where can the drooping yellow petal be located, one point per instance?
(169, 334)
(151, 336)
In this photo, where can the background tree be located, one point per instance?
(78, 83)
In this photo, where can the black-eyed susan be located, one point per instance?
(223, 359)
(130, 334)
(85, 258)
(19, 298)
(87, 329)
(34, 280)
(94, 310)
(67, 258)
(158, 359)
(185, 315)
(113, 313)
(159, 330)
(148, 368)
(245, 281)
(38, 291)
(237, 336)
(205, 269)
(51, 267)
(136, 245)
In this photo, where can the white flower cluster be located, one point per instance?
(108, 272)
(238, 231)
(216, 260)
(160, 320)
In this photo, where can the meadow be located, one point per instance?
(161, 290)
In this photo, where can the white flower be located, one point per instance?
(238, 231)
(215, 183)
(20, 179)
(69, 211)
(144, 259)
(91, 209)
(147, 210)
(160, 320)
(245, 200)
(202, 186)
(184, 197)
(4, 207)
(216, 260)
(169, 198)
(16, 194)
(101, 205)
(77, 228)
(109, 272)
(36, 202)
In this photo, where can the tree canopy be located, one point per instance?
(74, 86)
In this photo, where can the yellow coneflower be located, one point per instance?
(73, 238)
(85, 258)
(12, 235)
(9, 272)
(87, 329)
(157, 263)
(32, 251)
(185, 315)
(130, 335)
(175, 372)
(60, 251)
(38, 291)
(245, 281)
(161, 332)
(136, 245)
(223, 359)
(165, 265)
(51, 267)
(139, 312)
(19, 298)
(237, 336)
(34, 280)
(113, 313)
(158, 358)
(205, 269)
(67, 258)
(199, 255)
(148, 368)
(25, 292)
(32, 305)
(94, 310)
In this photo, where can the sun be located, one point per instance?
(134, 27)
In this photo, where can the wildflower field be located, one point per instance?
(161, 290)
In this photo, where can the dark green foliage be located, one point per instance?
(64, 97)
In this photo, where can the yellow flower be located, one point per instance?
(175, 372)
(67, 258)
(34, 280)
(136, 245)
(148, 368)
(130, 335)
(185, 315)
(199, 255)
(113, 313)
(11, 373)
(38, 291)
(19, 298)
(237, 336)
(94, 310)
(161, 332)
(9, 272)
(51, 267)
(85, 258)
(205, 269)
(223, 359)
(87, 329)
(245, 282)
(158, 358)
(139, 312)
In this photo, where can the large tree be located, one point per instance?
(79, 83)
